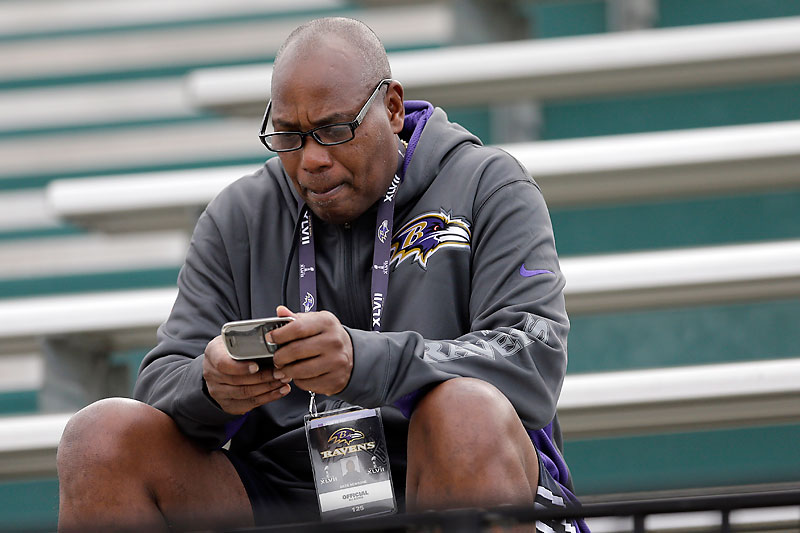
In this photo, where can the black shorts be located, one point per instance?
(274, 501)
(550, 496)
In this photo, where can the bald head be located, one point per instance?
(326, 72)
(314, 35)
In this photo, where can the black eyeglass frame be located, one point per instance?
(355, 123)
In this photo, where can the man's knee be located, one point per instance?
(466, 439)
(466, 406)
(109, 431)
(122, 461)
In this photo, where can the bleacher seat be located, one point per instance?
(571, 172)
(595, 284)
(693, 56)
(591, 405)
(28, 444)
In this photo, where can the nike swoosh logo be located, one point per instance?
(524, 272)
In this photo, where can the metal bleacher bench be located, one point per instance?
(129, 106)
(601, 283)
(570, 172)
(555, 68)
(591, 405)
(595, 284)
(84, 38)
(78, 332)
(567, 67)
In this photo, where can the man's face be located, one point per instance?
(338, 183)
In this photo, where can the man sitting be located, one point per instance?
(436, 295)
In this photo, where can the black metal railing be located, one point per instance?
(480, 520)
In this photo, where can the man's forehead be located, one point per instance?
(307, 91)
(320, 65)
(317, 103)
(318, 98)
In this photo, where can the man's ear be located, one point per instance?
(394, 106)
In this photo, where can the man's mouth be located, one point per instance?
(323, 195)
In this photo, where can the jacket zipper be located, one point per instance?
(351, 282)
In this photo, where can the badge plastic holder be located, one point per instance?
(350, 463)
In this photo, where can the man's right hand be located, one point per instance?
(239, 386)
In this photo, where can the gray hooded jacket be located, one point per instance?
(475, 290)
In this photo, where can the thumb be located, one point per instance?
(282, 311)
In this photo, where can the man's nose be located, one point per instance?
(315, 157)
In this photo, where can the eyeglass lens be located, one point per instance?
(331, 134)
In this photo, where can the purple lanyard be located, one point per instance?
(381, 254)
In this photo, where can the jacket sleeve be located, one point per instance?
(171, 375)
(518, 321)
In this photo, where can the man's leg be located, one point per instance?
(123, 465)
(468, 448)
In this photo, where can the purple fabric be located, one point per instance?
(382, 246)
(305, 253)
(232, 427)
(417, 114)
(408, 403)
(551, 456)
(524, 272)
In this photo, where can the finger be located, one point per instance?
(260, 377)
(305, 369)
(334, 345)
(283, 311)
(217, 355)
(219, 384)
(225, 395)
(312, 357)
(297, 351)
(226, 391)
(279, 375)
(233, 367)
(304, 325)
(244, 392)
(238, 407)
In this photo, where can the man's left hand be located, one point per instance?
(316, 351)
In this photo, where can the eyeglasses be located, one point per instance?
(328, 135)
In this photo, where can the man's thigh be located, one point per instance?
(122, 461)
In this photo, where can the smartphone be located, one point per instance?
(245, 340)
